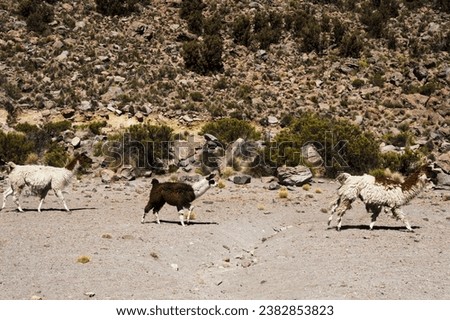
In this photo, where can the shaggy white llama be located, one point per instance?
(40, 179)
(376, 194)
(177, 194)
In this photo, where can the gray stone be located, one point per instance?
(274, 186)
(242, 179)
(76, 142)
(272, 120)
(294, 176)
(311, 156)
(127, 173)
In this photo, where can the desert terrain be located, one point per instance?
(245, 243)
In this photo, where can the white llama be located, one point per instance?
(377, 194)
(40, 179)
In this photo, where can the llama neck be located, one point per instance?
(413, 191)
(200, 187)
(73, 165)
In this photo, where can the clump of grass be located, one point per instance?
(106, 236)
(318, 190)
(283, 193)
(227, 172)
(221, 184)
(306, 187)
(83, 259)
(261, 207)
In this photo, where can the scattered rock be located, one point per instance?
(242, 179)
(294, 176)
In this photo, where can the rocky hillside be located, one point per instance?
(83, 65)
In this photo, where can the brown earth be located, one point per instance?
(246, 243)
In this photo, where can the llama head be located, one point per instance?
(211, 180)
(203, 185)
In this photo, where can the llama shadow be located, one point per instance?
(366, 227)
(178, 222)
(56, 209)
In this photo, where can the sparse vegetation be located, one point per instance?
(144, 146)
(283, 193)
(343, 146)
(229, 130)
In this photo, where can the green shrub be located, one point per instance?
(404, 163)
(228, 130)
(241, 30)
(39, 138)
(205, 56)
(313, 39)
(195, 22)
(197, 96)
(187, 7)
(55, 128)
(38, 14)
(14, 147)
(267, 28)
(351, 46)
(375, 15)
(96, 126)
(118, 7)
(141, 145)
(339, 30)
(358, 83)
(342, 145)
(428, 88)
(56, 156)
(12, 90)
(213, 25)
(402, 139)
(378, 80)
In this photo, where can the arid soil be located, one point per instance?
(246, 243)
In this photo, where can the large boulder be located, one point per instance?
(294, 176)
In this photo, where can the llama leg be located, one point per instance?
(6, 194)
(189, 214)
(399, 215)
(333, 207)
(16, 195)
(157, 217)
(59, 194)
(343, 206)
(375, 212)
(181, 214)
(40, 204)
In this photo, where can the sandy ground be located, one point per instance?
(246, 243)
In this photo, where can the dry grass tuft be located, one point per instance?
(83, 259)
(221, 184)
(227, 172)
(283, 193)
(306, 187)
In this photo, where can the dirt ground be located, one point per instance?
(246, 243)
